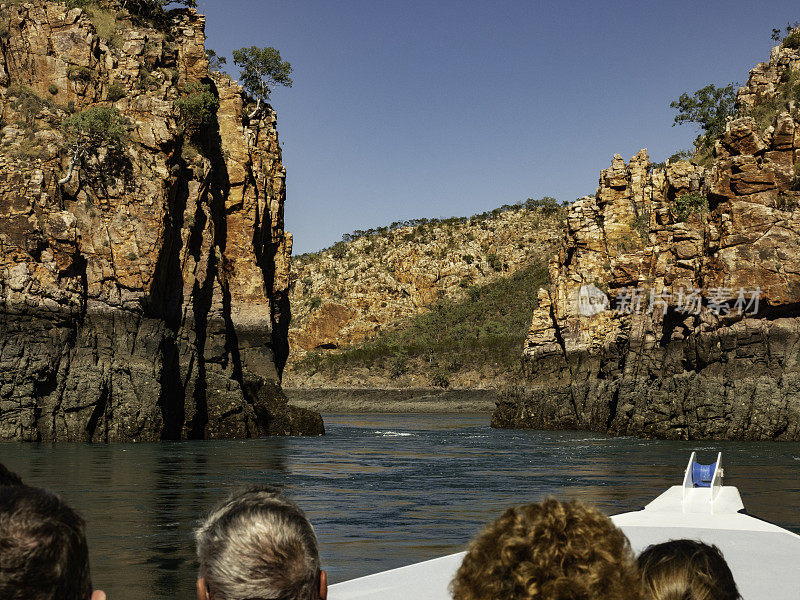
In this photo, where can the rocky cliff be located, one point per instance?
(147, 297)
(674, 304)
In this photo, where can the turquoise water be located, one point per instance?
(381, 490)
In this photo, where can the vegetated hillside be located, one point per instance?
(474, 341)
(422, 303)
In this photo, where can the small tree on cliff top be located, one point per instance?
(709, 107)
(154, 12)
(96, 128)
(148, 7)
(789, 37)
(262, 68)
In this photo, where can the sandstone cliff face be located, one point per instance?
(349, 293)
(150, 300)
(715, 372)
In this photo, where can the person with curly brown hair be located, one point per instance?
(548, 551)
(686, 570)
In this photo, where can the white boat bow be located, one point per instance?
(763, 557)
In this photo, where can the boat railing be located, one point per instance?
(702, 484)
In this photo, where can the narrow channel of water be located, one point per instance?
(382, 490)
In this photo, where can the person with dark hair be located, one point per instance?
(548, 551)
(8, 477)
(686, 570)
(258, 544)
(43, 550)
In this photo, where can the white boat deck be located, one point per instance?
(763, 557)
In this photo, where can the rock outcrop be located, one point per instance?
(146, 298)
(674, 304)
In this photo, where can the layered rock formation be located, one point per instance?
(666, 318)
(146, 298)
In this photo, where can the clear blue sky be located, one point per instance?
(442, 108)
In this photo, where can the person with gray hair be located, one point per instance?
(258, 545)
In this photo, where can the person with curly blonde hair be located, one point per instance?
(548, 551)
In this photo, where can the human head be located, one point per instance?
(43, 550)
(258, 544)
(548, 551)
(8, 477)
(686, 570)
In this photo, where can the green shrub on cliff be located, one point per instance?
(151, 12)
(197, 108)
(677, 156)
(88, 132)
(338, 250)
(30, 149)
(82, 74)
(711, 107)
(96, 127)
(547, 204)
(788, 201)
(145, 79)
(641, 223)
(190, 152)
(420, 228)
(103, 19)
(792, 40)
(688, 204)
(494, 262)
(28, 104)
(627, 242)
(116, 91)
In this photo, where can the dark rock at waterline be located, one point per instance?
(738, 382)
(121, 377)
